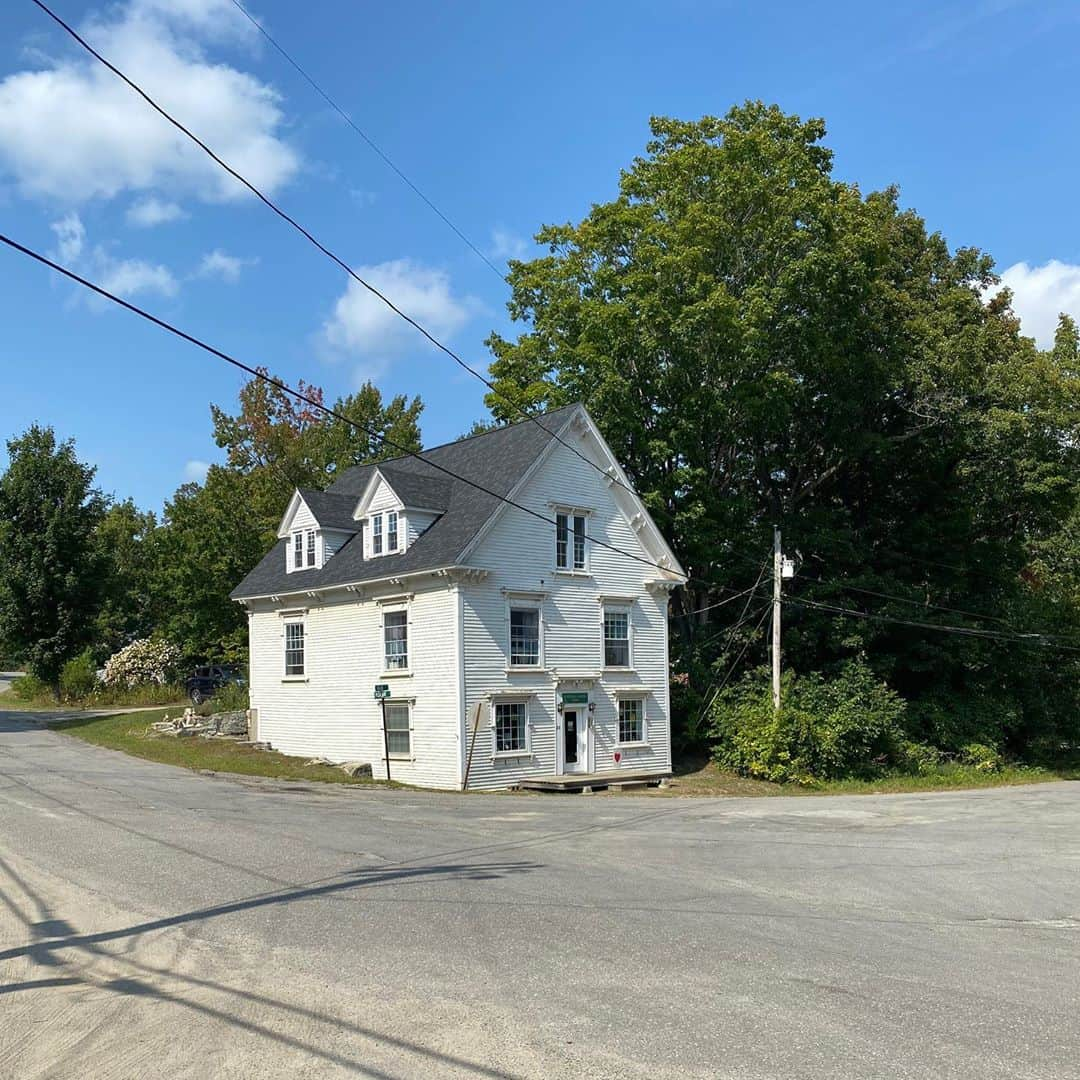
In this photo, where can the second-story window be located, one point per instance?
(570, 541)
(376, 535)
(616, 638)
(311, 547)
(524, 636)
(298, 551)
(391, 531)
(396, 639)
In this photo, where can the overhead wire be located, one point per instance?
(367, 138)
(382, 439)
(336, 259)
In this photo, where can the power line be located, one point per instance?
(726, 600)
(337, 260)
(1019, 637)
(382, 439)
(367, 138)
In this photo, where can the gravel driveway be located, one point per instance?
(158, 922)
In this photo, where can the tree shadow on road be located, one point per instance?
(52, 936)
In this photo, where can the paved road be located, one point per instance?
(155, 922)
(5, 679)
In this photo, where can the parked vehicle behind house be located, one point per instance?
(205, 682)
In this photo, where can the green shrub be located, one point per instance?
(78, 677)
(917, 758)
(826, 728)
(143, 694)
(981, 757)
(29, 688)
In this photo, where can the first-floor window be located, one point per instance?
(396, 639)
(631, 720)
(616, 638)
(509, 726)
(294, 648)
(524, 637)
(398, 734)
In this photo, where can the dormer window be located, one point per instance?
(385, 533)
(304, 552)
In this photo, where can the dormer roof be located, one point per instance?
(331, 510)
(412, 491)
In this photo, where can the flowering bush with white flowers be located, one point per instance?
(148, 660)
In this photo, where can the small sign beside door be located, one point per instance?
(575, 698)
(382, 690)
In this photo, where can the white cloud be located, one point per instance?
(71, 131)
(146, 213)
(129, 277)
(70, 238)
(362, 325)
(196, 471)
(1041, 293)
(125, 277)
(221, 265)
(507, 245)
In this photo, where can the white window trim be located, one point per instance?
(572, 512)
(408, 702)
(617, 608)
(534, 602)
(633, 743)
(382, 516)
(307, 537)
(388, 608)
(510, 699)
(293, 619)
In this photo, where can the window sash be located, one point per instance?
(396, 639)
(398, 729)
(391, 531)
(510, 724)
(294, 648)
(579, 542)
(561, 542)
(311, 547)
(524, 637)
(631, 720)
(298, 551)
(616, 639)
(376, 535)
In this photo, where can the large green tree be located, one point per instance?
(764, 344)
(51, 570)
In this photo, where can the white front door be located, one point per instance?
(575, 740)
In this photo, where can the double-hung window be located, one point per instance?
(631, 720)
(616, 637)
(376, 534)
(510, 727)
(298, 550)
(294, 648)
(396, 639)
(391, 532)
(570, 551)
(311, 547)
(398, 729)
(524, 635)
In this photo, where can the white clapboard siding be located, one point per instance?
(519, 553)
(333, 712)
(333, 541)
(416, 521)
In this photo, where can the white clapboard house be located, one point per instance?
(513, 648)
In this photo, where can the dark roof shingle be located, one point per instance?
(496, 459)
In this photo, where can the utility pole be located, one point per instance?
(778, 572)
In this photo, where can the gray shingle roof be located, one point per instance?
(331, 510)
(497, 460)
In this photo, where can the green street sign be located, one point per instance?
(382, 690)
(575, 698)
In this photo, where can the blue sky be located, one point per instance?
(508, 116)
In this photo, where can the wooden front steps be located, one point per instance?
(589, 782)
